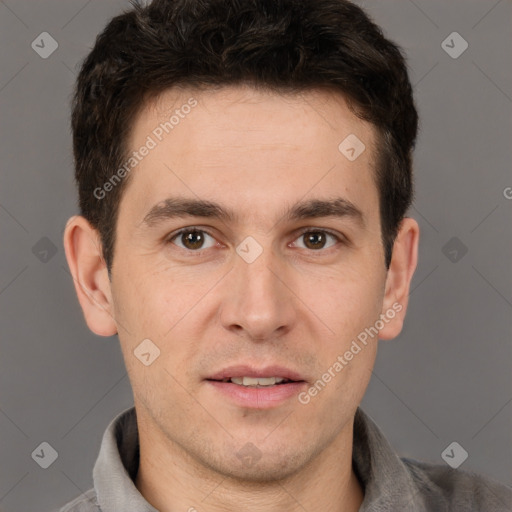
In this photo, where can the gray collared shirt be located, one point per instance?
(391, 483)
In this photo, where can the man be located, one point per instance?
(244, 170)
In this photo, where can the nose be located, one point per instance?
(259, 303)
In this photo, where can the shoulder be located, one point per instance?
(463, 491)
(86, 502)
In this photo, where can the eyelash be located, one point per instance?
(175, 235)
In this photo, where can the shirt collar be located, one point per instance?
(387, 481)
(117, 465)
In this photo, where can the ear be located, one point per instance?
(398, 281)
(83, 248)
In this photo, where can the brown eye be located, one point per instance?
(316, 239)
(191, 239)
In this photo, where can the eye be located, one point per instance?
(191, 239)
(194, 239)
(316, 239)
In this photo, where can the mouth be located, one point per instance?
(257, 382)
(251, 376)
(249, 387)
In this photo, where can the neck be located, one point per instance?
(170, 479)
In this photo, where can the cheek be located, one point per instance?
(347, 299)
(147, 300)
(349, 385)
(158, 306)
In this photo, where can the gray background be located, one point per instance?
(446, 378)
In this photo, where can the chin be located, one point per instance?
(267, 469)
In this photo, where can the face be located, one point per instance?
(248, 244)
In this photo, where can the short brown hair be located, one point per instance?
(281, 45)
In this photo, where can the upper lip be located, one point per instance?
(252, 371)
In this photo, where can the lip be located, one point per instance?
(252, 371)
(253, 397)
(257, 398)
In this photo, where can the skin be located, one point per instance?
(257, 153)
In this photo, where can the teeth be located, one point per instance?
(258, 381)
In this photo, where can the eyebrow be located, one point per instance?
(176, 207)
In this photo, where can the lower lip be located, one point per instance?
(258, 398)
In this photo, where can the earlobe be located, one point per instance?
(82, 246)
(398, 281)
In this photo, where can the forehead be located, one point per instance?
(254, 149)
(252, 116)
